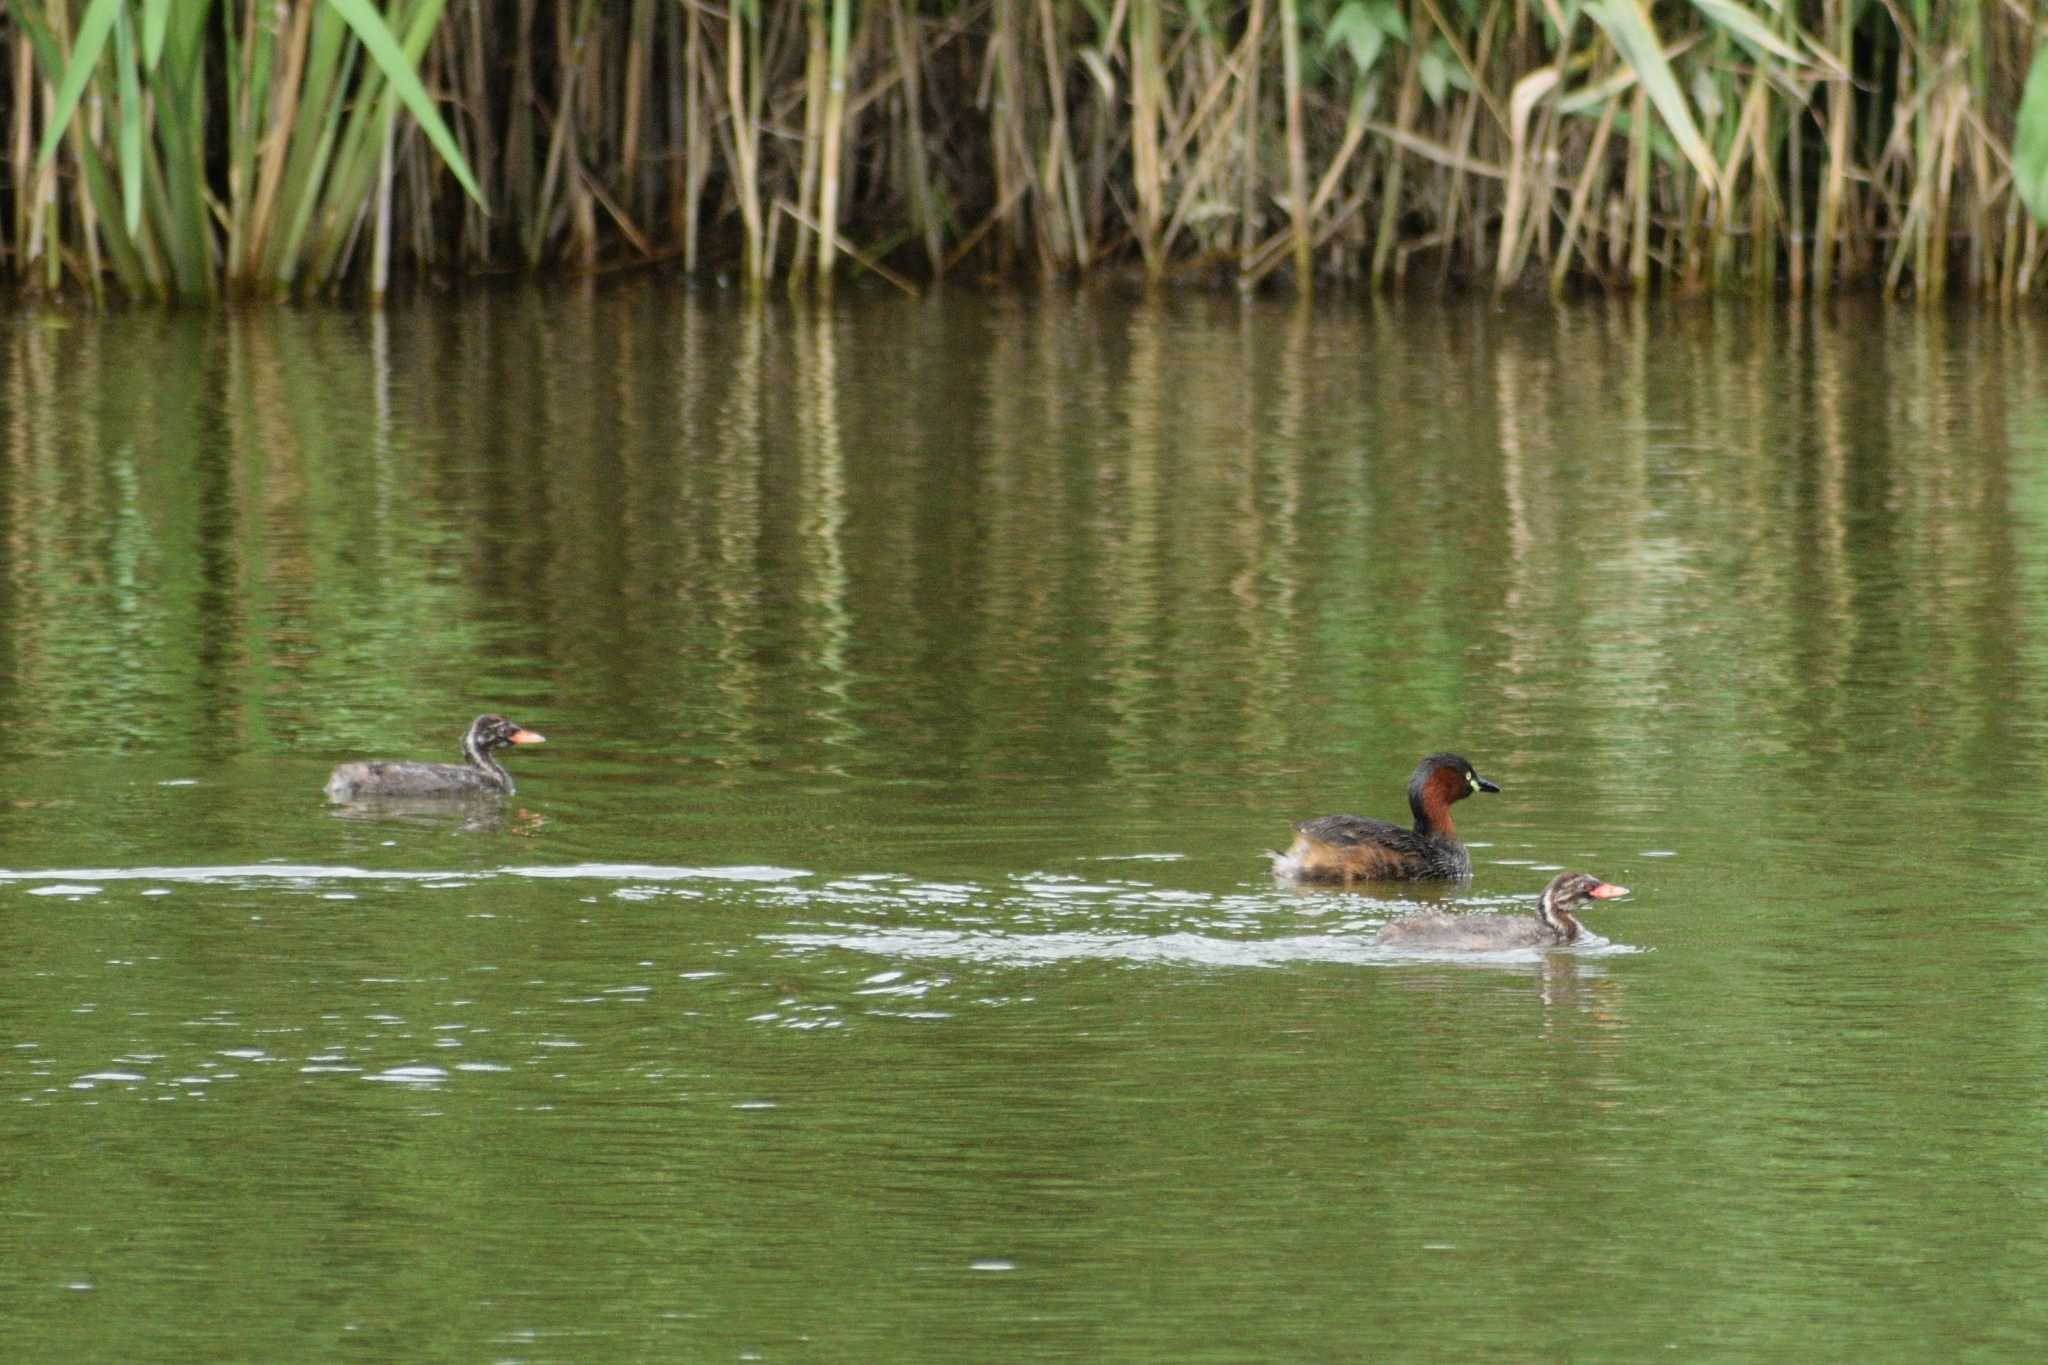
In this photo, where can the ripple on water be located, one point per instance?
(1179, 949)
(1035, 919)
(78, 881)
(651, 872)
(1130, 912)
(410, 1075)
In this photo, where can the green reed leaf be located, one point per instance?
(377, 40)
(128, 146)
(1627, 26)
(1747, 29)
(156, 19)
(93, 31)
(1353, 29)
(2030, 143)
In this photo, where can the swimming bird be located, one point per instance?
(479, 776)
(1552, 926)
(1352, 848)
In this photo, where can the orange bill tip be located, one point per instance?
(1607, 891)
(526, 737)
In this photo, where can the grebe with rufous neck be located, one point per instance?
(1342, 849)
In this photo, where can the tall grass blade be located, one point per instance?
(384, 50)
(1627, 26)
(1297, 153)
(1521, 104)
(130, 136)
(156, 19)
(2030, 143)
(93, 31)
(1749, 30)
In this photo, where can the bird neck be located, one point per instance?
(479, 756)
(1556, 919)
(1430, 800)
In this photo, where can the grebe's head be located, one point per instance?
(1446, 776)
(1568, 889)
(495, 732)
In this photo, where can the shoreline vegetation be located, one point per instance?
(209, 149)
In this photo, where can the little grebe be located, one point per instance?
(480, 776)
(1351, 848)
(1552, 927)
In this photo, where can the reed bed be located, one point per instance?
(272, 147)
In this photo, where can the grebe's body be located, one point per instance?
(481, 775)
(1553, 924)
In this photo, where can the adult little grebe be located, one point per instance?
(1553, 925)
(480, 776)
(1351, 848)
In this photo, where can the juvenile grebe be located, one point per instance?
(480, 776)
(1351, 848)
(1552, 926)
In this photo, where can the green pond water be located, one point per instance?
(879, 963)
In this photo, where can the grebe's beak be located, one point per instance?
(1607, 891)
(1481, 784)
(525, 737)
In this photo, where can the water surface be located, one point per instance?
(878, 961)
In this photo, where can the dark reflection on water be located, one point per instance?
(879, 960)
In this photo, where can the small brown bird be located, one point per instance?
(1553, 925)
(1350, 848)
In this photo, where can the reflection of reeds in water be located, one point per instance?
(727, 577)
(1138, 572)
(1266, 521)
(821, 526)
(1796, 532)
(1056, 535)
